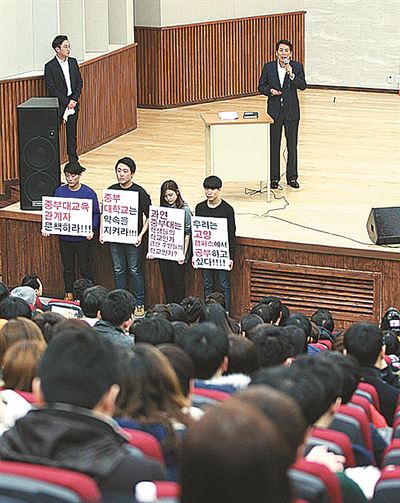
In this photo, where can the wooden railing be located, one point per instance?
(196, 63)
(108, 106)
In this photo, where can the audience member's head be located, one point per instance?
(79, 287)
(80, 368)
(349, 368)
(242, 356)
(26, 293)
(177, 312)
(275, 308)
(263, 311)
(303, 387)
(285, 315)
(162, 310)
(47, 321)
(392, 343)
(391, 320)
(14, 307)
(300, 320)
(234, 454)
(216, 298)
(273, 345)
(248, 322)
(4, 291)
(19, 329)
(182, 365)
(208, 347)
(34, 282)
(20, 364)
(155, 330)
(282, 410)
(364, 341)
(180, 329)
(117, 307)
(323, 318)
(192, 306)
(92, 299)
(215, 313)
(298, 337)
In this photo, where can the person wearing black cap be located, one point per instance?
(77, 247)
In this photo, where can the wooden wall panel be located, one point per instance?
(196, 63)
(357, 285)
(108, 106)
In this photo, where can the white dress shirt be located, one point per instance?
(65, 69)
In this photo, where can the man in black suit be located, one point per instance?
(63, 81)
(279, 81)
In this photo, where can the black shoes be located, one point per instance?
(274, 184)
(294, 184)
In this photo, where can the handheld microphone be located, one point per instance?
(286, 61)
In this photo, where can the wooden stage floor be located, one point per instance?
(349, 162)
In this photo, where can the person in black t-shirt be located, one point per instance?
(128, 257)
(216, 207)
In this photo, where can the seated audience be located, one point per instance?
(13, 307)
(248, 322)
(20, 364)
(19, 329)
(4, 291)
(73, 428)
(162, 310)
(192, 307)
(116, 313)
(34, 282)
(47, 321)
(79, 287)
(234, 454)
(151, 400)
(154, 330)
(243, 359)
(91, 303)
(273, 345)
(12, 407)
(177, 312)
(364, 341)
(215, 313)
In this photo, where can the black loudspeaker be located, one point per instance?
(383, 225)
(39, 151)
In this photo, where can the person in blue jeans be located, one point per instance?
(215, 206)
(127, 258)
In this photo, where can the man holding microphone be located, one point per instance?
(280, 80)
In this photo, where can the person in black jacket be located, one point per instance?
(63, 81)
(279, 81)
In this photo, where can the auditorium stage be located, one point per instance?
(349, 158)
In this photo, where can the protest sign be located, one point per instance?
(67, 216)
(166, 233)
(119, 218)
(210, 243)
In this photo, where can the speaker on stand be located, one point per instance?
(39, 152)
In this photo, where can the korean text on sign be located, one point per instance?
(119, 218)
(67, 216)
(166, 233)
(210, 243)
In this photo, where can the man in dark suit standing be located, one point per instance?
(279, 81)
(63, 81)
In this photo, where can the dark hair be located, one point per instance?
(212, 182)
(299, 339)
(79, 287)
(324, 369)
(20, 364)
(285, 42)
(215, 298)
(47, 322)
(4, 291)
(392, 343)
(323, 318)
(162, 310)
(155, 330)
(74, 168)
(192, 306)
(234, 454)
(58, 40)
(92, 299)
(182, 365)
(263, 311)
(300, 320)
(282, 410)
(177, 312)
(215, 313)
(249, 321)
(275, 308)
(180, 329)
(391, 320)
(272, 344)
(207, 345)
(31, 280)
(14, 307)
(242, 356)
(364, 341)
(128, 162)
(117, 307)
(79, 366)
(303, 387)
(349, 368)
(170, 185)
(285, 315)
